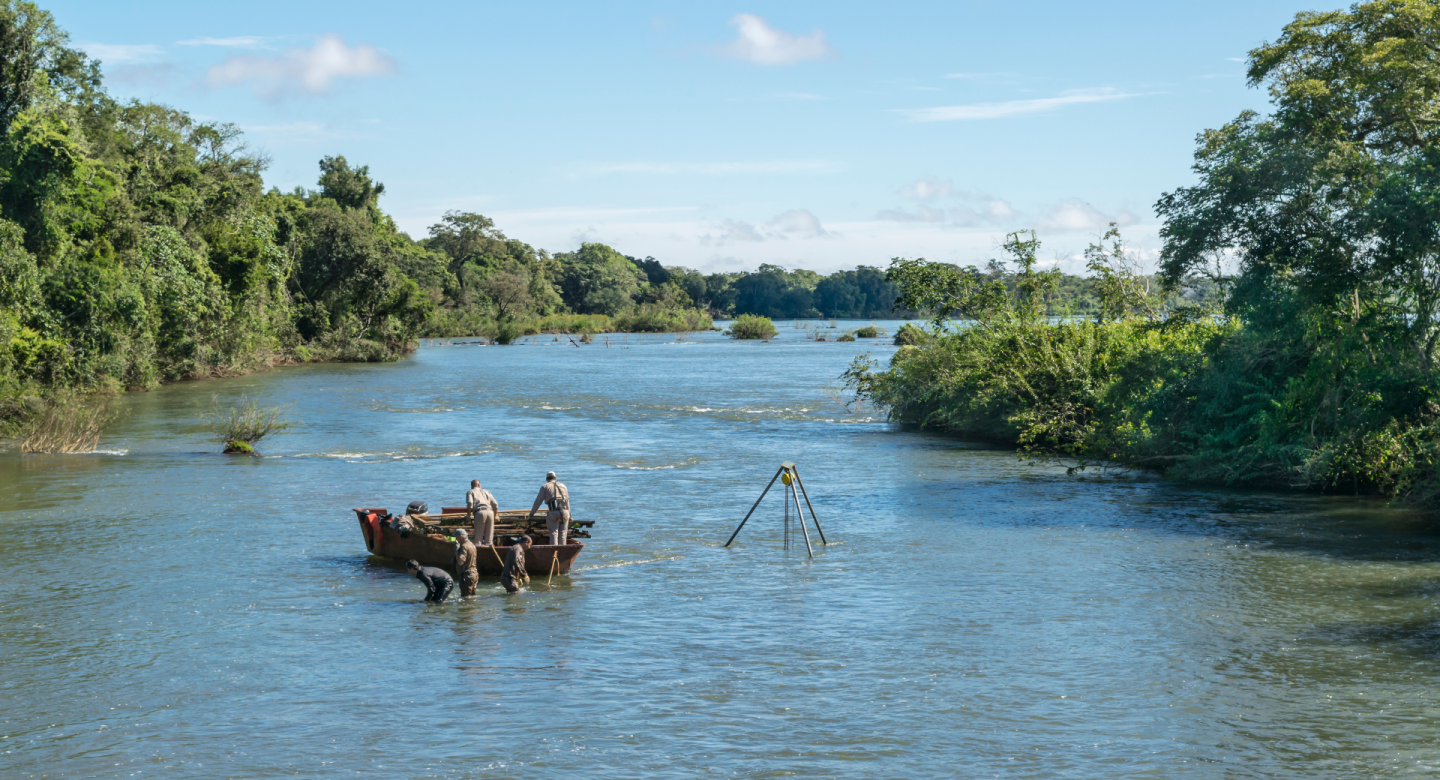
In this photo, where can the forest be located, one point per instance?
(139, 245)
(1293, 341)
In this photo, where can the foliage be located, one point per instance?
(910, 335)
(751, 326)
(242, 426)
(868, 332)
(659, 318)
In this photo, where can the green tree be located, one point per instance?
(596, 279)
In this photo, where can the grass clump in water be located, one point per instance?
(845, 337)
(67, 423)
(751, 326)
(240, 427)
(869, 332)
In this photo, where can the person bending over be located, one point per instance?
(437, 583)
(513, 577)
(483, 511)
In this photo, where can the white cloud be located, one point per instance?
(762, 44)
(732, 230)
(798, 222)
(310, 71)
(238, 41)
(294, 131)
(795, 223)
(722, 168)
(922, 213)
(928, 189)
(989, 211)
(1012, 107)
(154, 76)
(123, 54)
(1075, 214)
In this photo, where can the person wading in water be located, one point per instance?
(557, 497)
(464, 563)
(437, 582)
(514, 577)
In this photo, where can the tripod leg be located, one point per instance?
(796, 472)
(757, 503)
(796, 496)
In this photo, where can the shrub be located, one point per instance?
(658, 318)
(845, 337)
(751, 326)
(240, 427)
(910, 336)
(869, 332)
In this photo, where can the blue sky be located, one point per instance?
(716, 135)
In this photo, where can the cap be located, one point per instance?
(460, 532)
(549, 475)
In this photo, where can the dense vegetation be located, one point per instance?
(1316, 368)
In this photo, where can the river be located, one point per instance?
(172, 612)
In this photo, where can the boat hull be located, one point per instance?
(385, 542)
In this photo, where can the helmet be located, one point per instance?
(417, 508)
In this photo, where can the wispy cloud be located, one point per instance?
(795, 223)
(238, 41)
(310, 71)
(1010, 108)
(1076, 214)
(927, 189)
(756, 41)
(154, 76)
(122, 53)
(921, 213)
(722, 168)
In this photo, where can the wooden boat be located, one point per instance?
(433, 549)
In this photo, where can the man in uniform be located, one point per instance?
(437, 582)
(557, 520)
(514, 576)
(483, 510)
(464, 566)
(412, 521)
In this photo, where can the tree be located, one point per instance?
(596, 279)
(34, 57)
(351, 188)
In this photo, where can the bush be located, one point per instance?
(751, 326)
(573, 323)
(869, 332)
(239, 428)
(845, 337)
(910, 336)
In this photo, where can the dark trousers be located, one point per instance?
(444, 591)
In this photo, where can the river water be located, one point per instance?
(171, 612)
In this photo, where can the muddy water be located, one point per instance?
(170, 612)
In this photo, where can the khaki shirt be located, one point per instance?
(557, 497)
(465, 558)
(481, 499)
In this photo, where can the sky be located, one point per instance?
(713, 135)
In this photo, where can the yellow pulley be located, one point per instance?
(785, 478)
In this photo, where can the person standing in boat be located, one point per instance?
(464, 564)
(436, 581)
(483, 511)
(513, 576)
(557, 497)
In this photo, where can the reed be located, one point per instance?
(68, 423)
(242, 426)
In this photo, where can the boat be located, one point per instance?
(436, 546)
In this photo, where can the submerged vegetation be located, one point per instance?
(1293, 343)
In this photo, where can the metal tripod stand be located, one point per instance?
(790, 476)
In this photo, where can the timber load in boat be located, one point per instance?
(433, 548)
